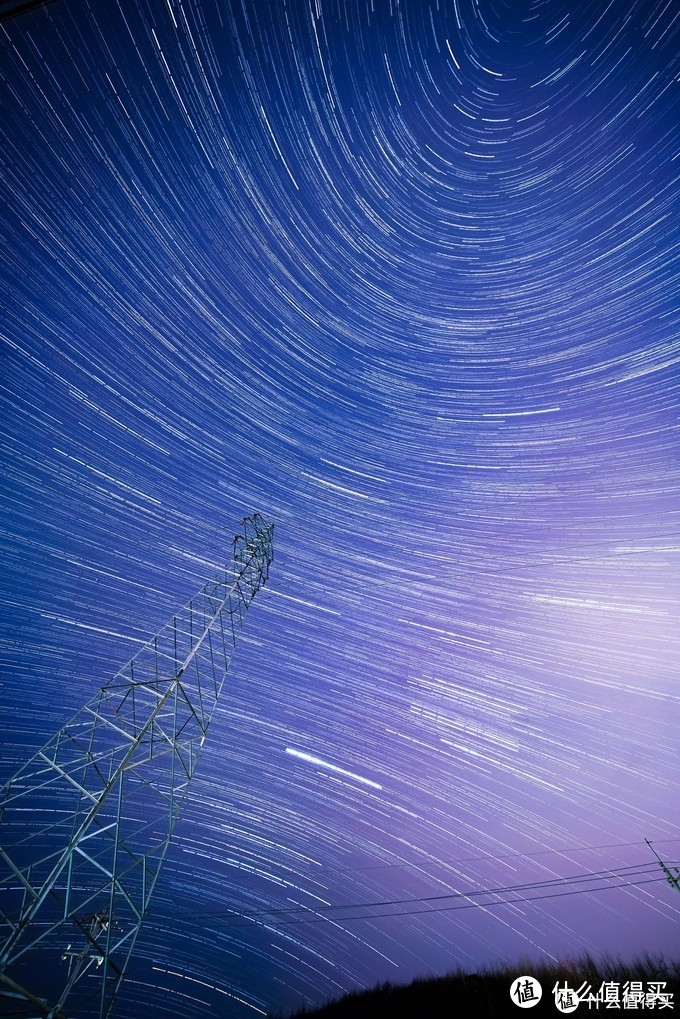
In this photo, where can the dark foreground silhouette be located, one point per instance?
(641, 987)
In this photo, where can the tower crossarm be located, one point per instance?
(86, 823)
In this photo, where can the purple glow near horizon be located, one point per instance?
(403, 277)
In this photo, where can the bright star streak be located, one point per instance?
(331, 767)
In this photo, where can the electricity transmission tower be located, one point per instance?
(85, 825)
(12, 8)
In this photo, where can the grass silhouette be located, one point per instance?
(486, 995)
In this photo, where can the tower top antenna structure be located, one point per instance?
(12, 8)
(85, 825)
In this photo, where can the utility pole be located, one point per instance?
(85, 825)
(673, 879)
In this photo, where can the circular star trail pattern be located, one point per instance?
(402, 276)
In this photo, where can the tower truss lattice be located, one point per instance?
(86, 824)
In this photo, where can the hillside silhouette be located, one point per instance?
(486, 995)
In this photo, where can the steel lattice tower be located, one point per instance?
(12, 8)
(85, 825)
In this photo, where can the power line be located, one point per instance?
(480, 905)
(672, 878)
(291, 915)
(489, 858)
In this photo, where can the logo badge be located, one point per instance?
(526, 992)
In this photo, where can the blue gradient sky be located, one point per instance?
(402, 275)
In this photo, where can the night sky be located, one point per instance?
(401, 275)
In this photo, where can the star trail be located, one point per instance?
(403, 276)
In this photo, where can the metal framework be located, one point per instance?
(85, 825)
(12, 8)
